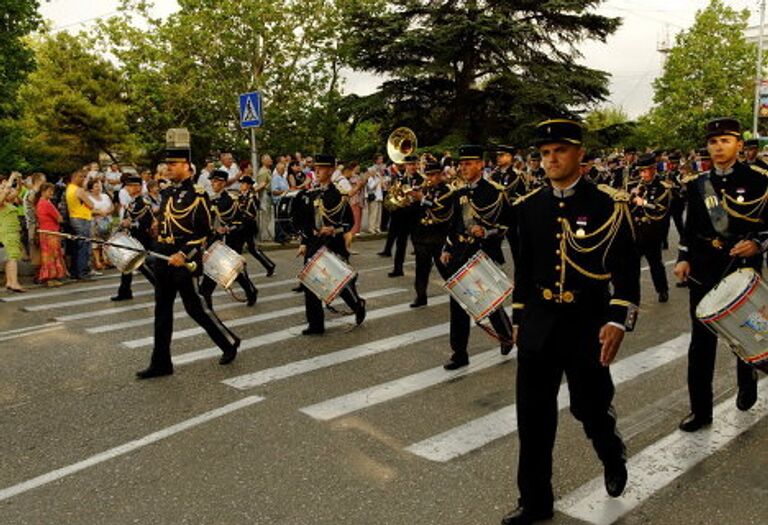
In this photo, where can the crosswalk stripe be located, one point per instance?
(231, 323)
(403, 386)
(64, 291)
(295, 331)
(126, 448)
(182, 314)
(39, 330)
(661, 463)
(295, 368)
(479, 432)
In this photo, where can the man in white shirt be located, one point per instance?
(112, 179)
(204, 179)
(229, 165)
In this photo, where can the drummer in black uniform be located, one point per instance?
(184, 227)
(137, 220)
(513, 183)
(481, 217)
(575, 242)
(725, 229)
(650, 205)
(247, 219)
(323, 216)
(225, 210)
(435, 201)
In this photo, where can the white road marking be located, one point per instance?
(64, 291)
(479, 432)
(262, 377)
(231, 323)
(346, 404)
(661, 463)
(126, 448)
(32, 330)
(666, 263)
(295, 331)
(81, 302)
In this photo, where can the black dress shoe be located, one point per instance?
(312, 331)
(252, 298)
(615, 477)
(455, 364)
(229, 355)
(663, 297)
(692, 423)
(395, 273)
(360, 312)
(682, 284)
(271, 272)
(506, 348)
(418, 303)
(121, 298)
(298, 289)
(149, 373)
(384, 254)
(524, 516)
(747, 397)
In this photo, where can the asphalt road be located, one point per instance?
(358, 426)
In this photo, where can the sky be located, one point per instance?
(631, 54)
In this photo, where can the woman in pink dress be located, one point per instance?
(52, 266)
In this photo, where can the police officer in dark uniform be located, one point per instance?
(402, 219)
(513, 183)
(575, 242)
(247, 220)
(184, 227)
(435, 206)
(323, 216)
(650, 205)
(137, 219)
(725, 229)
(225, 209)
(481, 217)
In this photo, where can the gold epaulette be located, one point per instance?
(522, 198)
(690, 178)
(761, 171)
(667, 184)
(616, 194)
(496, 185)
(199, 189)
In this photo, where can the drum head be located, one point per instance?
(727, 292)
(134, 263)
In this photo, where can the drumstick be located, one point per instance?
(191, 265)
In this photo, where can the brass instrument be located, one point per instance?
(401, 143)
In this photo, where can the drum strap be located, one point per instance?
(717, 214)
(490, 331)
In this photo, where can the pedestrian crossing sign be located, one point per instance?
(250, 110)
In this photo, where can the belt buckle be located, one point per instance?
(547, 294)
(717, 243)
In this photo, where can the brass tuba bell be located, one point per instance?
(401, 143)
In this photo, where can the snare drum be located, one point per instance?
(326, 275)
(125, 260)
(222, 264)
(737, 310)
(479, 286)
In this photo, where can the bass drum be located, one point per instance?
(285, 211)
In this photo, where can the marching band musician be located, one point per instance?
(247, 218)
(650, 205)
(480, 220)
(536, 175)
(625, 173)
(751, 157)
(435, 199)
(225, 210)
(184, 227)
(725, 229)
(323, 216)
(137, 219)
(575, 240)
(513, 184)
(673, 177)
(403, 219)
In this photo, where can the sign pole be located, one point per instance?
(759, 71)
(254, 156)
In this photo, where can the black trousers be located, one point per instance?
(126, 279)
(397, 236)
(651, 250)
(208, 285)
(246, 236)
(701, 359)
(171, 281)
(427, 253)
(313, 306)
(572, 348)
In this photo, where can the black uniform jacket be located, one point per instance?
(484, 204)
(651, 213)
(513, 183)
(185, 221)
(323, 206)
(435, 214)
(571, 249)
(741, 197)
(139, 212)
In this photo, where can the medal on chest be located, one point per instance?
(581, 232)
(740, 194)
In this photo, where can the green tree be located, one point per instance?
(477, 69)
(609, 127)
(708, 73)
(17, 19)
(73, 106)
(188, 69)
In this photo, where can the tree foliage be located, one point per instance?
(709, 73)
(73, 106)
(477, 69)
